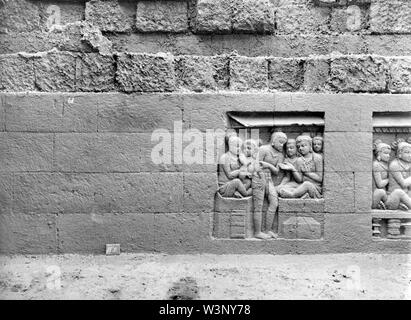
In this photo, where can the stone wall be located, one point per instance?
(85, 83)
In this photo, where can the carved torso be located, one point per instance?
(272, 156)
(233, 163)
(312, 164)
(398, 166)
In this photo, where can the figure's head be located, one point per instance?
(404, 151)
(318, 144)
(382, 151)
(235, 144)
(409, 140)
(278, 139)
(291, 148)
(230, 133)
(250, 148)
(304, 144)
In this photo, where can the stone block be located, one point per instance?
(27, 234)
(19, 16)
(83, 233)
(349, 19)
(162, 16)
(316, 74)
(339, 117)
(301, 205)
(347, 151)
(248, 73)
(26, 152)
(67, 12)
(108, 15)
(51, 113)
(6, 193)
(301, 228)
(16, 73)
(339, 192)
(202, 73)
(55, 71)
(400, 75)
(363, 191)
(213, 16)
(390, 16)
(253, 16)
(285, 74)
(95, 72)
(199, 191)
(221, 227)
(359, 74)
(233, 204)
(302, 19)
(146, 73)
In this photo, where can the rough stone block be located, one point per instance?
(213, 16)
(359, 74)
(107, 15)
(162, 16)
(301, 205)
(285, 74)
(147, 73)
(302, 19)
(101, 152)
(390, 16)
(182, 232)
(400, 74)
(138, 113)
(26, 152)
(199, 191)
(2, 113)
(17, 73)
(50, 113)
(95, 72)
(90, 233)
(339, 192)
(316, 74)
(363, 191)
(202, 73)
(6, 193)
(253, 16)
(27, 234)
(248, 73)
(55, 71)
(67, 12)
(349, 19)
(347, 151)
(19, 16)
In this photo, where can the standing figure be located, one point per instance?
(230, 176)
(382, 153)
(270, 156)
(318, 144)
(399, 179)
(288, 181)
(308, 171)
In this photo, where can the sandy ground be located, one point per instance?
(144, 276)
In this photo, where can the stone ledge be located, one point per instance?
(301, 205)
(390, 214)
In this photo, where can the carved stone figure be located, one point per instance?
(382, 153)
(270, 156)
(318, 144)
(288, 181)
(308, 171)
(230, 177)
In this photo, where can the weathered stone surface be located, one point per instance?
(335, 120)
(213, 16)
(285, 74)
(90, 233)
(253, 16)
(301, 228)
(232, 204)
(98, 193)
(163, 16)
(50, 113)
(19, 16)
(107, 15)
(301, 205)
(389, 44)
(138, 113)
(390, 16)
(201, 73)
(199, 191)
(363, 193)
(55, 71)
(2, 113)
(316, 74)
(16, 74)
(347, 151)
(27, 234)
(55, 13)
(6, 193)
(248, 73)
(176, 230)
(349, 19)
(143, 72)
(221, 228)
(359, 74)
(95, 72)
(302, 19)
(400, 75)
(339, 192)
(25, 152)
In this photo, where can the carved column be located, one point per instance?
(376, 227)
(394, 228)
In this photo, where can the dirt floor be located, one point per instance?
(144, 276)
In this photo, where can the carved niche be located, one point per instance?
(391, 171)
(270, 177)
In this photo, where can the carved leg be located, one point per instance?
(393, 228)
(272, 208)
(258, 187)
(376, 227)
(378, 198)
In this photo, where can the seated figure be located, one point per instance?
(318, 144)
(382, 153)
(288, 181)
(308, 171)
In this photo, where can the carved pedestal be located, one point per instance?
(393, 228)
(376, 227)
